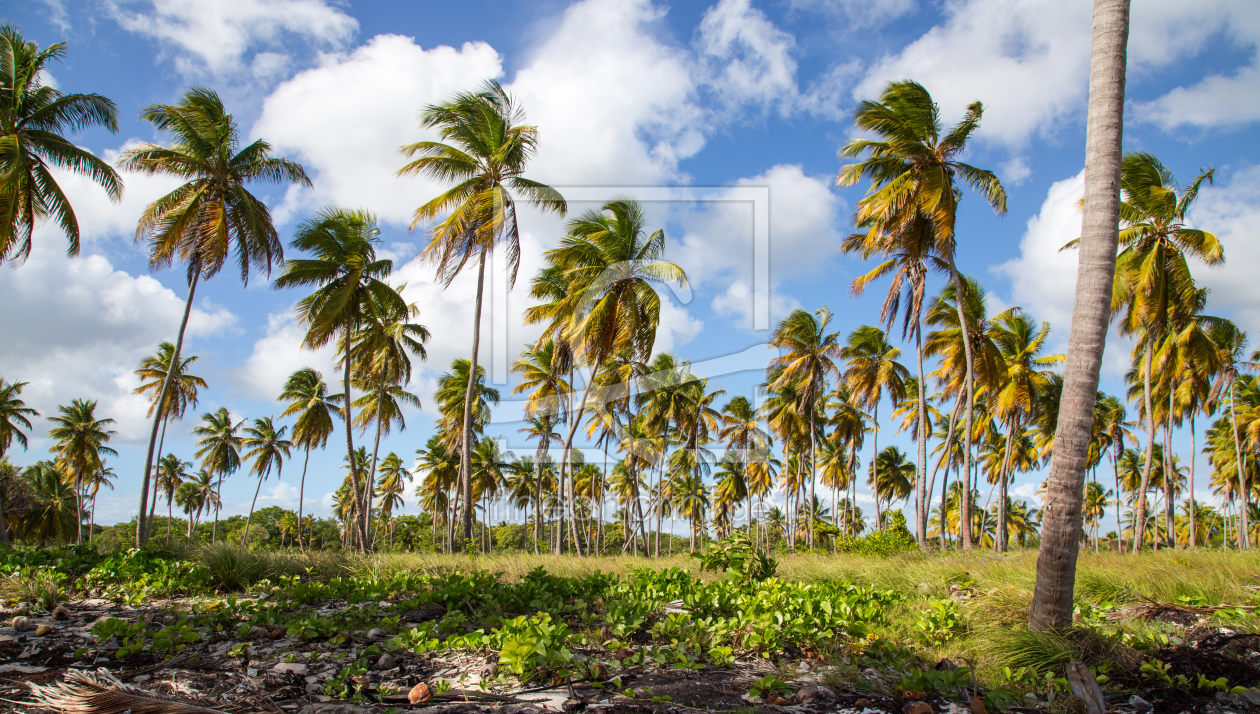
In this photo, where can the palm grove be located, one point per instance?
(977, 393)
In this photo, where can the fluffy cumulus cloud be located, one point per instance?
(83, 325)
(217, 36)
(748, 58)
(738, 303)
(1231, 211)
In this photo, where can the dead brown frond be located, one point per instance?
(100, 692)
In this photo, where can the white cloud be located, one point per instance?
(677, 327)
(279, 354)
(1232, 212)
(737, 303)
(217, 35)
(856, 14)
(1015, 172)
(748, 59)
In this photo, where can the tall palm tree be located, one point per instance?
(212, 216)
(543, 367)
(182, 394)
(540, 427)
(1231, 344)
(308, 399)
(81, 443)
(912, 167)
(872, 370)
(807, 359)
(267, 449)
(102, 478)
(34, 117)
(172, 471)
(349, 280)
(484, 148)
(1111, 423)
(390, 484)
(610, 262)
(440, 468)
(383, 355)
(219, 448)
(890, 474)
(188, 498)
(1152, 273)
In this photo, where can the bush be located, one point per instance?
(893, 539)
(738, 558)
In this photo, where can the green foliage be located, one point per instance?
(533, 646)
(738, 557)
(768, 685)
(895, 538)
(938, 624)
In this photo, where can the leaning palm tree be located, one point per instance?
(267, 449)
(81, 443)
(349, 280)
(871, 371)
(487, 146)
(807, 359)
(219, 448)
(181, 395)
(204, 221)
(912, 166)
(308, 399)
(34, 117)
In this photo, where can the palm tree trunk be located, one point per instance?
(465, 451)
(1061, 523)
(250, 517)
(1115, 465)
(148, 526)
(302, 495)
(218, 503)
(813, 478)
(567, 453)
(1139, 519)
(170, 513)
(1170, 478)
(1243, 535)
(194, 271)
(924, 490)
(1000, 543)
(1192, 541)
(348, 417)
(879, 515)
(370, 481)
(959, 300)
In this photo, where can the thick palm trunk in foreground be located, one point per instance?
(465, 439)
(1061, 521)
(142, 534)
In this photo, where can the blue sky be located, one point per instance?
(704, 104)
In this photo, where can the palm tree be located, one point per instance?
(385, 345)
(542, 367)
(267, 449)
(51, 516)
(349, 282)
(807, 359)
(103, 478)
(188, 498)
(1095, 504)
(1231, 344)
(81, 442)
(206, 496)
(34, 118)
(610, 262)
(912, 168)
(13, 416)
(1152, 272)
(871, 370)
(171, 473)
(309, 400)
(219, 450)
(891, 473)
(1019, 343)
(440, 468)
(212, 216)
(487, 146)
(390, 483)
(1111, 424)
(540, 427)
(181, 395)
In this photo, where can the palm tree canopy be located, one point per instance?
(13, 416)
(807, 355)
(34, 117)
(484, 148)
(218, 443)
(267, 446)
(184, 386)
(872, 367)
(81, 438)
(212, 215)
(309, 400)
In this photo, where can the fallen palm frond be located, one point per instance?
(100, 692)
(1150, 609)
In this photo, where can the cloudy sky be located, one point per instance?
(718, 115)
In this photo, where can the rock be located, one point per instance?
(1253, 696)
(803, 667)
(22, 624)
(276, 633)
(376, 634)
(314, 688)
(426, 612)
(141, 679)
(956, 708)
(917, 708)
(574, 705)
(295, 667)
(864, 703)
(815, 693)
(256, 633)
(43, 630)
(420, 693)
(977, 705)
(60, 613)
(386, 662)
(1140, 704)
